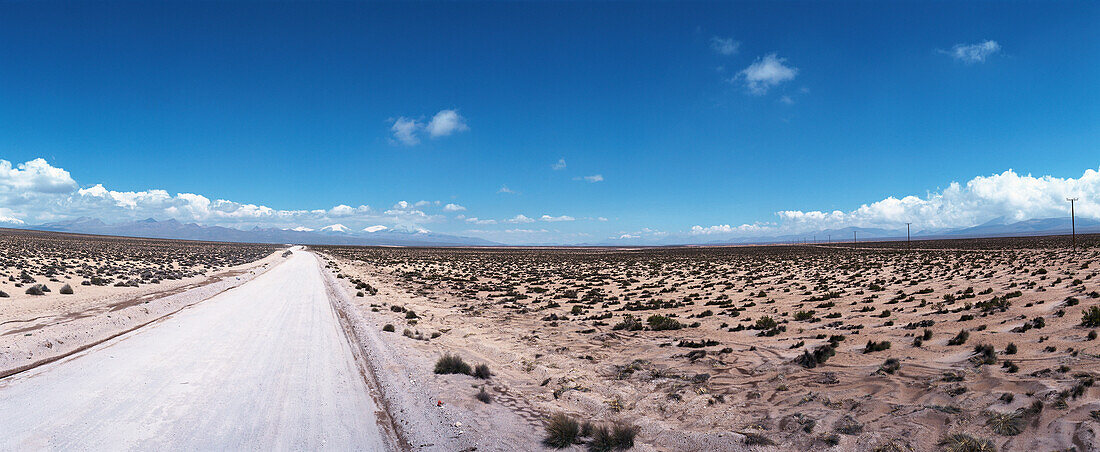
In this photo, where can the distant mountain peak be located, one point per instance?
(336, 228)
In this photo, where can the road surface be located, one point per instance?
(263, 366)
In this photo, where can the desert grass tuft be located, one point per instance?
(451, 364)
(482, 371)
(616, 437)
(484, 396)
(1007, 424)
(961, 442)
(561, 431)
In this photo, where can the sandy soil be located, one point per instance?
(545, 321)
(264, 366)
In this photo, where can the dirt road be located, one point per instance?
(263, 366)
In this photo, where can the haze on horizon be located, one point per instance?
(547, 122)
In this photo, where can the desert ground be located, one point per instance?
(94, 288)
(984, 344)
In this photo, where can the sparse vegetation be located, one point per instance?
(668, 318)
(961, 442)
(616, 437)
(451, 364)
(483, 396)
(1090, 318)
(960, 338)
(562, 431)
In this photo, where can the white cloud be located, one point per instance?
(445, 123)
(404, 131)
(974, 53)
(406, 213)
(506, 190)
(724, 46)
(727, 229)
(1008, 195)
(375, 228)
(407, 131)
(453, 208)
(35, 176)
(592, 179)
(526, 231)
(765, 73)
(558, 166)
(29, 193)
(36, 192)
(558, 218)
(342, 211)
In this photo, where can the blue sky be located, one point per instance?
(739, 118)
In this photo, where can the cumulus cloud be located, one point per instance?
(557, 218)
(476, 220)
(974, 53)
(342, 211)
(558, 166)
(765, 73)
(404, 131)
(724, 46)
(453, 208)
(407, 131)
(445, 123)
(36, 192)
(1009, 196)
(504, 189)
(35, 176)
(521, 218)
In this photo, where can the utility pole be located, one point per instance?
(908, 242)
(1073, 221)
(854, 241)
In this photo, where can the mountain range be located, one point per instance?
(329, 235)
(341, 235)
